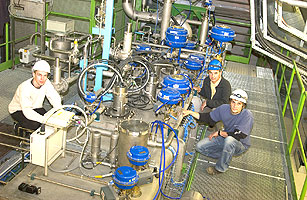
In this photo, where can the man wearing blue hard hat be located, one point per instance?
(26, 106)
(216, 89)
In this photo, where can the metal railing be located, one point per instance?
(296, 114)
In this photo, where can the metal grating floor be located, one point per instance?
(260, 173)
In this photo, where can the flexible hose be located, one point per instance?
(82, 74)
(142, 61)
(162, 170)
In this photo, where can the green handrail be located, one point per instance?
(296, 115)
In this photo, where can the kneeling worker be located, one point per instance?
(234, 139)
(216, 89)
(26, 106)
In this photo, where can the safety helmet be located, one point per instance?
(41, 65)
(239, 95)
(215, 65)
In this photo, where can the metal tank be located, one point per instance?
(95, 147)
(151, 87)
(120, 100)
(59, 46)
(131, 133)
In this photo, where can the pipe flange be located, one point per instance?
(110, 112)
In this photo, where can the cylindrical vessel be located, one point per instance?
(57, 71)
(151, 88)
(157, 70)
(113, 143)
(203, 31)
(60, 44)
(167, 10)
(120, 100)
(131, 133)
(127, 40)
(95, 148)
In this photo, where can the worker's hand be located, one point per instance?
(190, 112)
(203, 105)
(224, 134)
(197, 88)
(214, 134)
(186, 112)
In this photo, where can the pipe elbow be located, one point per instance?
(129, 10)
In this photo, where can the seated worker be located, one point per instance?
(234, 139)
(26, 106)
(216, 89)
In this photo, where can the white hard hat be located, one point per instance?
(41, 65)
(239, 95)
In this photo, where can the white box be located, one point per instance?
(26, 53)
(60, 27)
(48, 146)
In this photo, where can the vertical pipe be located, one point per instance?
(46, 156)
(180, 157)
(167, 8)
(57, 71)
(113, 149)
(127, 40)
(95, 147)
(43, 23)
(144, 5)
(204, 31)
(151, 87)
(106, 42)
(43, 27)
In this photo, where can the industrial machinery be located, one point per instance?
(132, 93)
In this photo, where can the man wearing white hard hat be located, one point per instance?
(234, 139)
(26, 106)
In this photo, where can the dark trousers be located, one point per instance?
(26, 123)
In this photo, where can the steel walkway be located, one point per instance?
(260, 173)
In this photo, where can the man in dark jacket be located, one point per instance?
(216, 89)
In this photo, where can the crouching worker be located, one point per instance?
(216, 89)
(234, 139)
(26, 106)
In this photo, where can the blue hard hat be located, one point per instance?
(215, 65)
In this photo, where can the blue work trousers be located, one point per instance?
(222, 149)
